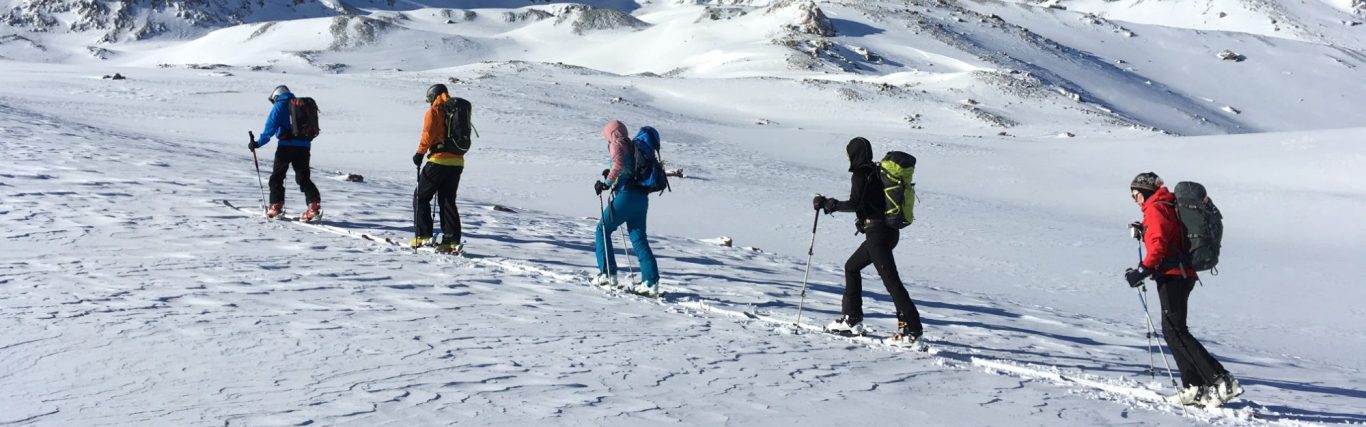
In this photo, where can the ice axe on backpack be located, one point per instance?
(252, 138)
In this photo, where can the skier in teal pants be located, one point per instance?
(629, 206)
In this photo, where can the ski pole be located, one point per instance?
(1152, 365)
(252, 137)
(602, 232)
(809, 252)
(1152, 330)
(626, 249)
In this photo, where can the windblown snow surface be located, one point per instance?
(140, 286)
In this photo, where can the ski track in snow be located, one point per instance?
(132, 295)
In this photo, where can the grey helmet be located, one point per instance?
(279, 90)
(435, 91)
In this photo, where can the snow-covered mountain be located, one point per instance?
(1146, 64)
(138, 286)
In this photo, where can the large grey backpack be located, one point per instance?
(1202, 226)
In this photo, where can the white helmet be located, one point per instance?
(279, 90)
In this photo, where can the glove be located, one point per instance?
(818, 202)
(1135, 276)
(831, 205)
(605, 172)
(251, 145)
(1136, 230)
(417, 158)
(599, 187)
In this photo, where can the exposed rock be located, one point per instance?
(809, 19)
(719, 13)
(99, 52)
(458, 15)
(21, 40)
(121, 20)
(586, 19)
(725, 241)
(529, 15)
(1229, 55)
(356, 31)
(989, 118)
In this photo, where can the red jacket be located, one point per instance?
(1162, 235)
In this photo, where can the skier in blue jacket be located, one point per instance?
(292, 151)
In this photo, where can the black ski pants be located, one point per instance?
(877, 251)
(443, 182)
(1197, 367)
(298, 158)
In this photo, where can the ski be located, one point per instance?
(868, 338)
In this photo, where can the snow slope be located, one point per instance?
(177, 309)
(135, 293)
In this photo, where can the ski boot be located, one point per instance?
(1208, 398)
(451, 248)
(904, 336)
(647, 288)
(418, 242)
(276, 209)
(1185, 396)
(846, 326)
(1226, 387)
(604, 280)
(313, 214)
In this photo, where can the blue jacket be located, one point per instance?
(277, 122)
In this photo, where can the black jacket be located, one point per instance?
(866, 200)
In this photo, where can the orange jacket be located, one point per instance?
(433, 131)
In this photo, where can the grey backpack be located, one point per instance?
(1202, 226)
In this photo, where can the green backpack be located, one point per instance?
(896, 171)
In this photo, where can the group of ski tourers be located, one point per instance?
(1180, 232)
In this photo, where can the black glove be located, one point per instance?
(251, 145)
(831, 205)
(1136, 230)
(818, 202)
(417, 159)
(605, 172)
(1135, 276)
(599, 187)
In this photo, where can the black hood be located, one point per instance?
(860, 153)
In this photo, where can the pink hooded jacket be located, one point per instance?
(618, 147)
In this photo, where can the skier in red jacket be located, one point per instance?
(1204, 380)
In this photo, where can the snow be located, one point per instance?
(134, 292)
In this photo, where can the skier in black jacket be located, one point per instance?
(867, 202)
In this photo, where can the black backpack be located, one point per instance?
(303, 119)
(457, 113)
(1202, 226)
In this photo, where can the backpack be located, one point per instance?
(648, 173)
(1202, 226)
(457, 113)
(896, 170)
(303, 119)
